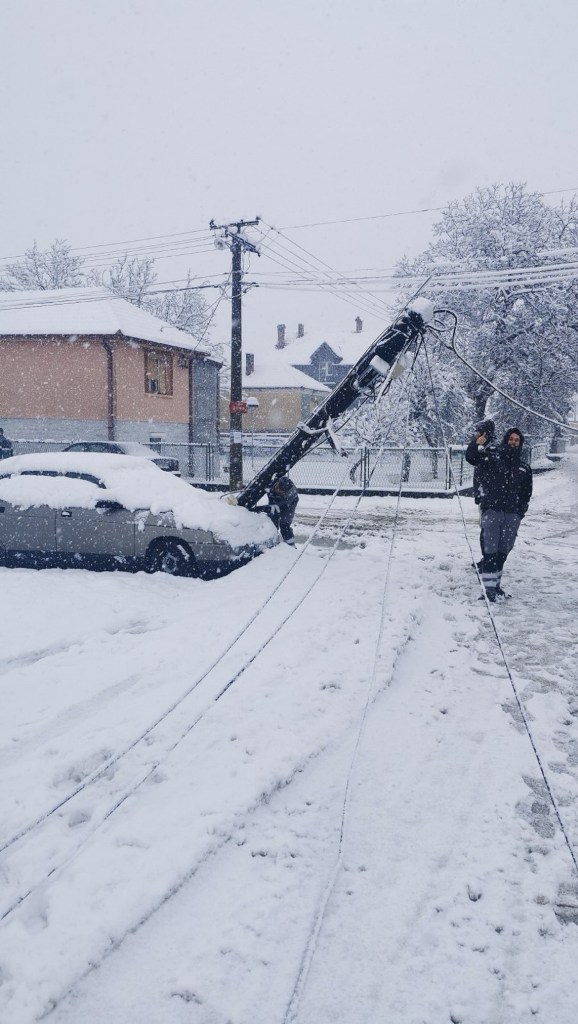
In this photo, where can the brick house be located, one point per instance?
(81, 363)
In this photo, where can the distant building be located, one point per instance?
(285, 396)
(325, 355)
(83, 363)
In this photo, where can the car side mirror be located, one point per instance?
(109, 506)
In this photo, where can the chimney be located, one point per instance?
(358, 325)
(300, 331)
(249, 364)
(280, 336)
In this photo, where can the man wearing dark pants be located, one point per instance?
(283, 498)
(504, 489)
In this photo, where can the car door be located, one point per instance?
(105, 531)
(27, 530)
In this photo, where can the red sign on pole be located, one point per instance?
(237, 407)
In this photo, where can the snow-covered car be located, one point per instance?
(141, 451)
(114, 511)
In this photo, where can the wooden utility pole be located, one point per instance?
(232, 239)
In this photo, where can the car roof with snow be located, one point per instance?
(29, 480)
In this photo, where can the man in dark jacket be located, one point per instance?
(283, 498)
(6, 450)
(502, 488)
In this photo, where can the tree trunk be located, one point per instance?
(480, 402)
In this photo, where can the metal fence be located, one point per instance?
(196, 461)
(430, 470)
(420, 469)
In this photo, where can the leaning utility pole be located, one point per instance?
(232, 238)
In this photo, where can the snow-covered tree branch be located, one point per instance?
(522, 339)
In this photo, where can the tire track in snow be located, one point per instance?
(282, 776)
(436, 887)
(102, 775)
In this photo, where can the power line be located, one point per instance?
(543, 273)
(112, 245)
(303, 267)
(518, 699)
(380, 305)
(514, 401)
(103, 293)
(161, 240)
(399, 213)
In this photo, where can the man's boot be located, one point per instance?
(490, 575)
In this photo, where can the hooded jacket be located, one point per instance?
(501, 480)
(283, 498)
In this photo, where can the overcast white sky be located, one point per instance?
(123, 119)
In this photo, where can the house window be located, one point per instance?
(158, 374)
(325, 371)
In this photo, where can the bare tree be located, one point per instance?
(182, 307)
(133, 279)
(136, 280)
(128, 278)
(44, 269)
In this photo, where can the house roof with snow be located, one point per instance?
(86, 311)
(276, 372)
(348, 345)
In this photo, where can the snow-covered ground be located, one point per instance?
(355, 830)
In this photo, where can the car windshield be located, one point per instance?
(135, 448)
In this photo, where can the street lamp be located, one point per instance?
(252, 404)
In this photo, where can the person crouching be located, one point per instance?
(283, 498)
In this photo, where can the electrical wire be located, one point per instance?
(497, 635)
(289, 264)
(111, 247)
(104, 768)
(504, 394)
(152, 768)
(400, 213)
(311, 270)
(315, 931)
(470, 280)
(167, 239)
(322, 263)
(102, 293)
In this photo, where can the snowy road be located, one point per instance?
(204, 876)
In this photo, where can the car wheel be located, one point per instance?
(172, 557)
